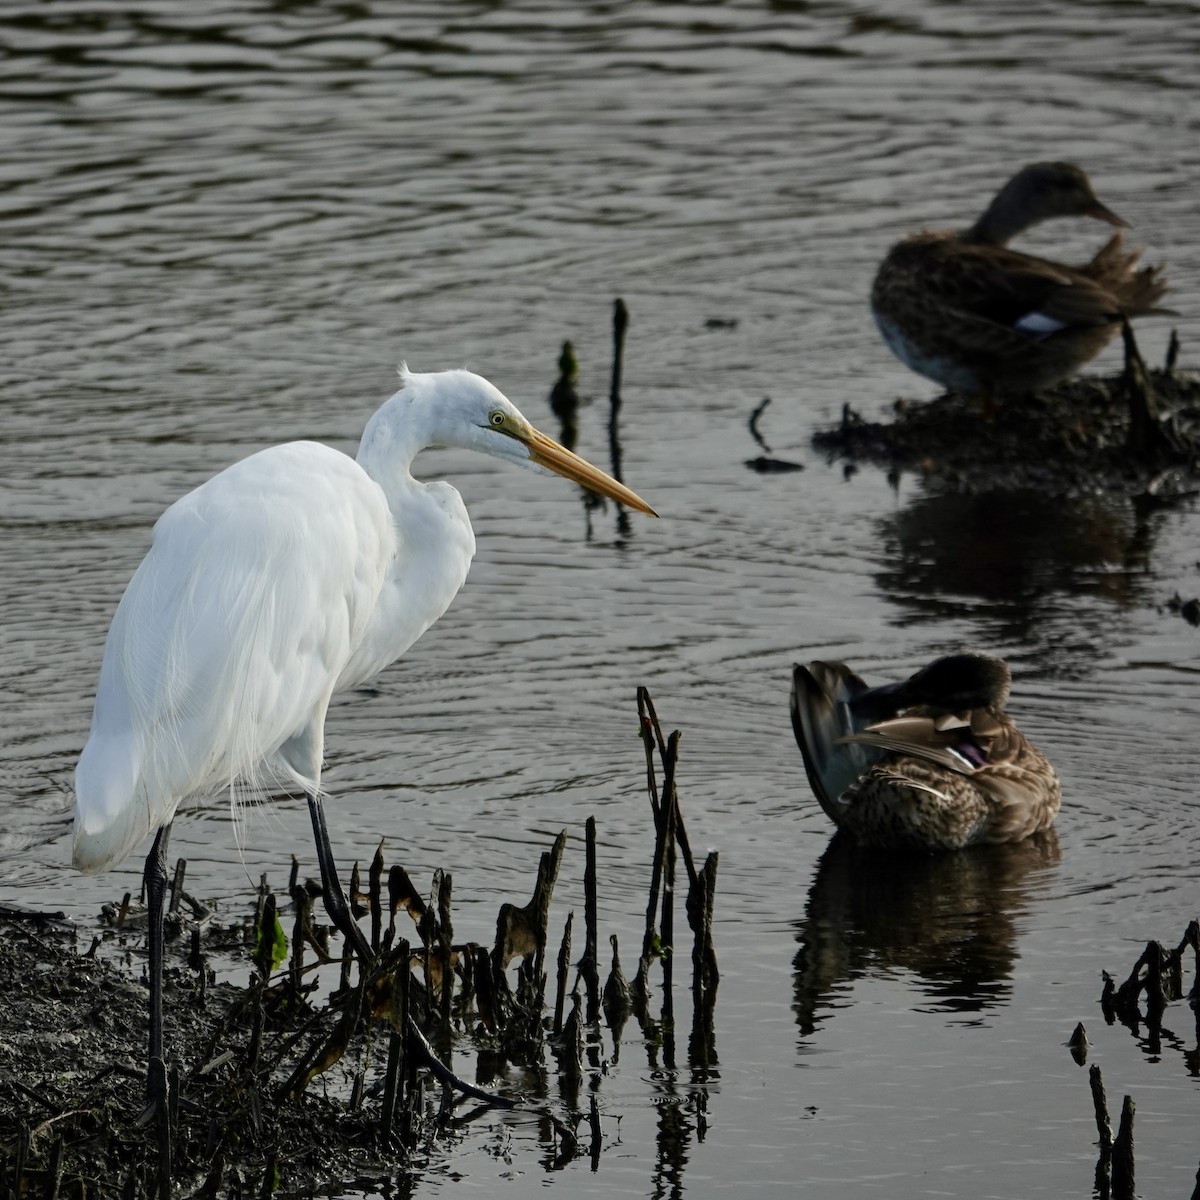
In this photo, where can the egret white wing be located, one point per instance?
(230, 637)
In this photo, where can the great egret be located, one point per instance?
(931, 763)
(291, 575)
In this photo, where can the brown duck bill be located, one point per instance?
(1103, 213)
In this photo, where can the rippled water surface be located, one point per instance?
(222, 225)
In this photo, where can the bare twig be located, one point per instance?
(754, 433)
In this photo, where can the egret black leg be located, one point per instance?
(157, 1088)
(335, 898)
(343, 918)
(155, 878)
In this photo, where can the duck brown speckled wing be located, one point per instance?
(931, 763)
(951, 782)
(984, 317)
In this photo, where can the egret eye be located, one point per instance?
(498, 419)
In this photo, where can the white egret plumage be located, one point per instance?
(294, 574)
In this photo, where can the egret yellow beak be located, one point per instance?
(546, 452)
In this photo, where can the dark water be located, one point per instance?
(221, 226)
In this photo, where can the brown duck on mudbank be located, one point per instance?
(964, 310)
(932, 763)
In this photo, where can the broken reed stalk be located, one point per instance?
(424, 928)
(375, 896)
(177, 884)
(667, 922)
(670, 831)
(263, 952)
(393, 1083)
(1172, 359)
(651, 726)
(615, 996)
(594, 1127)
(570, 1053)
(302, 903)
(641, 983)
(589, 966)
(1100, 1104)
(445, 934)
(261, 899)
(564, 964)
(1122, 1154)
(523, 933)
(620, 325)
(700, 915)
(402, 894)
(1139, 393)
(1116, 1154)
(653, 734)
(346, 967)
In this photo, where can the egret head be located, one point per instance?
(465, 410)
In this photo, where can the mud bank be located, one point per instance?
(1133, 433)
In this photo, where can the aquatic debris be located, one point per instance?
(765, 464)
(1158, 973)
(1133, 433)
(773, 466)
(1189, 610)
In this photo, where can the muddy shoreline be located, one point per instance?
(72, 1082)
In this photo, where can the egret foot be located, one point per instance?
(158, 1108)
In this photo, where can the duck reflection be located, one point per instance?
(1022, 553)
(949, 919)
